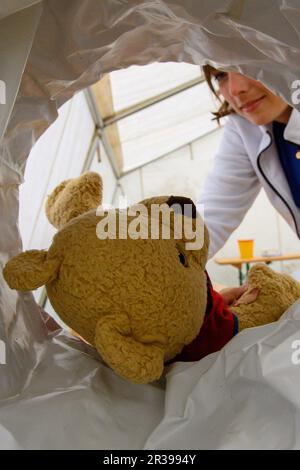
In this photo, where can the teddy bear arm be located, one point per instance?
(262, 311)
(128, 357)
(268, 297)
(30, 270)
(249, 318)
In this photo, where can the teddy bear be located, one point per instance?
(141, 297)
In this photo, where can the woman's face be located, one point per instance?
(251, 99)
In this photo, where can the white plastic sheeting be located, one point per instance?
(75, 42)
(245, 397)
(53, 392)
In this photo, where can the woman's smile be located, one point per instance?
(252, 106)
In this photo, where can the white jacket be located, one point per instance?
(247, 160)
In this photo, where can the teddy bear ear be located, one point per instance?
(30, 270)
(186, 205)
(74, 197)
(136, 361)
(200, 242)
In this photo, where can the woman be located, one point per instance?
(260, 148)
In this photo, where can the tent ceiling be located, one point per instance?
(155, 109)
(139, 84)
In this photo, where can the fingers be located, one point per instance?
(232, 294)
(248, 298)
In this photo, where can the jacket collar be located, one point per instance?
(291, 132)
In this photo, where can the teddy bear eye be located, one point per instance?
(182, 259)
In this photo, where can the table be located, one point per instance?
(239, 262)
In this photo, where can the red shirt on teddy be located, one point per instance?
(219, 327)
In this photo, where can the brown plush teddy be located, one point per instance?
(139, 297)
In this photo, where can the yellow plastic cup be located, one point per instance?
(246, 248)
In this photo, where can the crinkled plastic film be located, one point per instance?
(54, 391)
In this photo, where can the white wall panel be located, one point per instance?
(104, 168)
(59, 154)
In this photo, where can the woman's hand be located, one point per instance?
(232, 294)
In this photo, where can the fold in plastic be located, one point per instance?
(54, 392)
